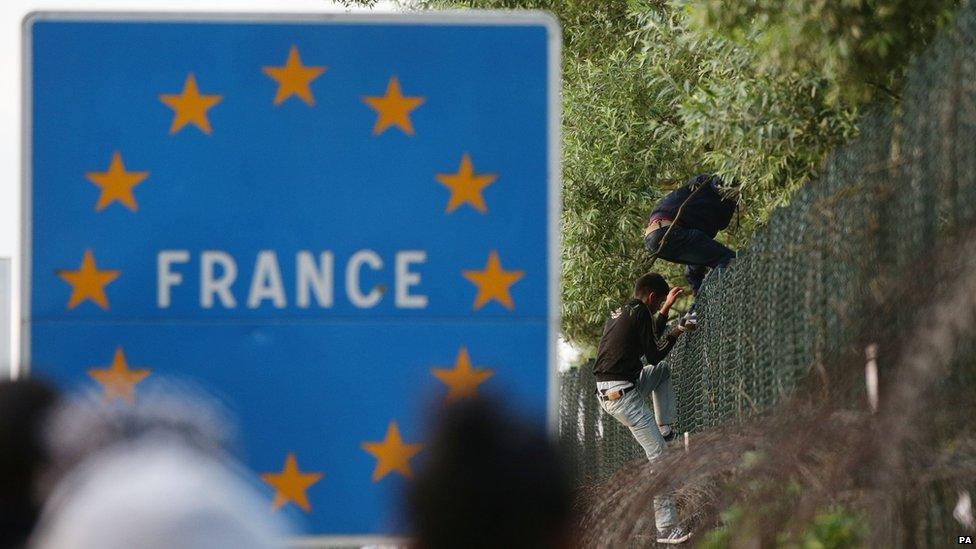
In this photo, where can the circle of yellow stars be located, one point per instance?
(294, 79)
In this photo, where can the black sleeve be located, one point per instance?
(723, 205)
(654, 343)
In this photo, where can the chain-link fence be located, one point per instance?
(805, 289)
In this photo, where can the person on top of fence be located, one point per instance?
(623, 383)
(683, 225)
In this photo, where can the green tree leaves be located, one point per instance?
(860, 47)
(655, 91)
(672, 100)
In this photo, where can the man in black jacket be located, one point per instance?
(709, 206)
(623, 382)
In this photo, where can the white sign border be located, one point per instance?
(7, 370)
(467, 17)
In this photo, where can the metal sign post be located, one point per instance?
(339, 223)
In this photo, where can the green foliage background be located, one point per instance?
(655, 91)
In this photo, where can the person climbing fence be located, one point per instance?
(623, 383)
(683, 225)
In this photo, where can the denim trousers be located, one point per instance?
(692, 248)
(633, 412)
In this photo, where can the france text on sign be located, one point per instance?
(332, 222)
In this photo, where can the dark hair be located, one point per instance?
(651, 282)
(24, 407)
(489, 480)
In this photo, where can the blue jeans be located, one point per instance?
(692, 248)
(633, 412)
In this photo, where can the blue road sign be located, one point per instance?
(334, 222)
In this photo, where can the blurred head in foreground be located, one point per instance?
(489, 480)
(152, 475)
(24, 405)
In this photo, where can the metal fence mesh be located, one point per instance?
(802, 292)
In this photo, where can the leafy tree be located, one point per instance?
(861, 47)
(673, 102)
(655, 91)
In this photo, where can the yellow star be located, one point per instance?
(466, 185)
(294, 78)
(117, 380)
(493, 282)
(88, 282)
(290, 484)
(463, 380)
(393, 108)
(392, 454)
(116, 184)
(189, 107)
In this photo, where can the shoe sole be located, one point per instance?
(675, 541)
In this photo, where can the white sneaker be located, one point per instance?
(674, 536)
(667, 433)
